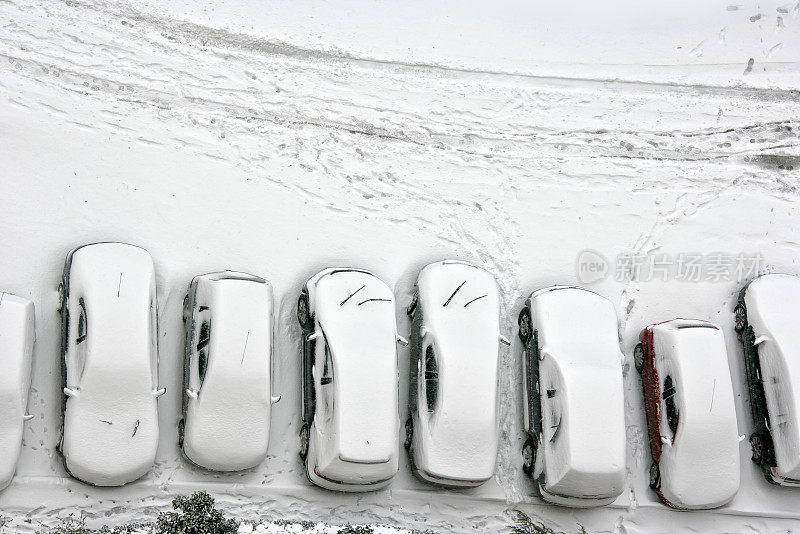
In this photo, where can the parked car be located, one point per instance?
(766, 318)
(110, 363)
(452, 430)
(227, 398)
(350, 431)
(574, 411)
(691, 418)
(16, 353)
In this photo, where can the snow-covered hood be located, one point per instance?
(581, 393)
(355, 310)
(700, 468)
(773, 311)
(460, 307)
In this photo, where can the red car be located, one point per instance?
(691, 418)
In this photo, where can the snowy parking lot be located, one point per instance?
(281, 139)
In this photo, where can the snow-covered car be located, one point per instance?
(16, 354)
(349, 438)
(766, 321)
(227, 399)
(109, 341)
(451, 431)
(572, 387)
(691, 418)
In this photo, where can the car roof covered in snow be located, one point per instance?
(701, 467)
(16, 351)
(460, 304)
(227, 426)
(773, 311)
(581, 391)
(111, 425)
(356, 313)
(116, 282)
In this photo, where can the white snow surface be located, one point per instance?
(110, 431)
(581, 392)
(280, 139)
(17, 336)
(227, 425)
(459, 440)
(773, 311)
(700, 463)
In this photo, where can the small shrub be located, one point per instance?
(70, 525)
(350, 529)
(196, 515)
(523, 524)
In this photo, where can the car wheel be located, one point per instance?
(739, 318)
(655, 476)
(303, 312)
(524, 323)
(181, 425)
(186, 308)
(304, 442)
(528, 456)
(409, 434)
(638, 358)
(757, 447)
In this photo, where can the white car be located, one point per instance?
(227, 371)
(110, 364)
(349, 438)
(16, 353)
(574, 407)
(452, 429)
(767, 316)
(691, 418)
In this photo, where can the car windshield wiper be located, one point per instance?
(352, 294)
(372, 300)
(473, 300)
(454, 294)
(557, 426)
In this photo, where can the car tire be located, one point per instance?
(181, 429)
(528, 456)
(186, 308)
(304, 442)
(757, 448)
(739, 319)
(303, 312)
(638, 358)
(655, 476)
(409, 436)
(525, 325)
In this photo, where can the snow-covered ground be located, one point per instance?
(281, 139)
